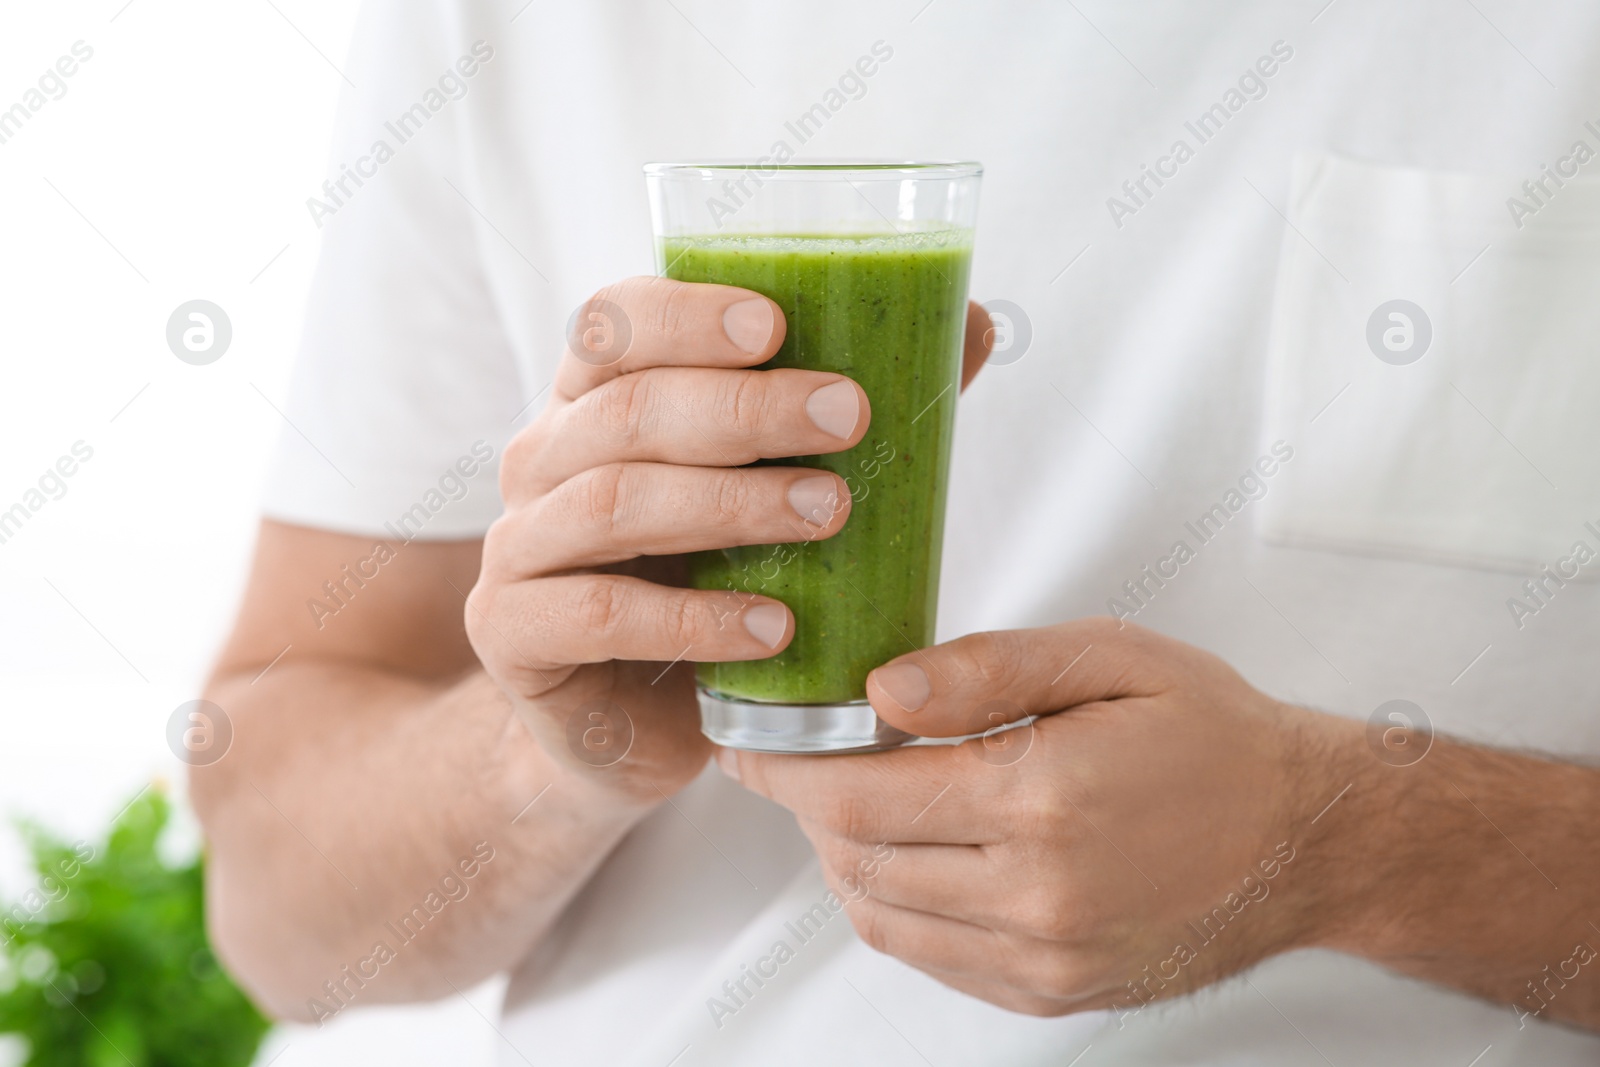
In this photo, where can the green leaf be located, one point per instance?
(105, 962)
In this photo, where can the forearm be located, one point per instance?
(368, 790)
(1471, 868)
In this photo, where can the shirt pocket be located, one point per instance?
(1433, 363)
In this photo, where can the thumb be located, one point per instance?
(979, 342)
(960, 687)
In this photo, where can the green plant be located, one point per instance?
(106, 963)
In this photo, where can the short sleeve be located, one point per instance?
(404, 380)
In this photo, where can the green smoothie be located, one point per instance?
(889, 312)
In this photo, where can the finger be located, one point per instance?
(924, 794)
(1004, 996)
(990, 886)
(979, 342)
(658, 322)
(621, 511)
(699, 417)
(937, 943)
(977, 682)
(592, 618)
(956, 881)
(852, 888)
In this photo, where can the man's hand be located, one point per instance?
(1043, 868)
(1163, 825)
(633, 458)
(640, 456)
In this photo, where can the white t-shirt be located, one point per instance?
(1204, 212)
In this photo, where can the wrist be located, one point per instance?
(1348, 855)
(1393, 861)
(621, 768)
(532, 775)
(526, 778)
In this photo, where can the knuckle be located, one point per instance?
(988, 658)
(1045, 913)
(597, 607)
(836, 853)
(1129, 643)
(520, 458)
(476, 611)
(619, 408)
(1044, 814)
(618, 294)
(597, 498)
(490, 643)
(682, 618)
(600, 307)
(871, 923)
(612, 293)
(499, 546)
(1057, 975)
(849, 817)
(745, 404)
(673, 309)
(729, 498)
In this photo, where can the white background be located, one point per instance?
(175, 167)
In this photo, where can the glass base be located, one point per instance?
(757, 726)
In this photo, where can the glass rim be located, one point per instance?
(863, 169)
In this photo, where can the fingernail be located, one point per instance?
(905, 683)
(767, 623)
(748, 324)
(728, 762)
(835, 408)
(816, 499)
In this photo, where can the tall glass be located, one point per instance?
(869, 263)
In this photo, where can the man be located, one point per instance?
(1310, 386)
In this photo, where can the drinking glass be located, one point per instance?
(869, 262)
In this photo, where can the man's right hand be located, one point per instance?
(640, 456)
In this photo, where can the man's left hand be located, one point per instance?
(1136, 841)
